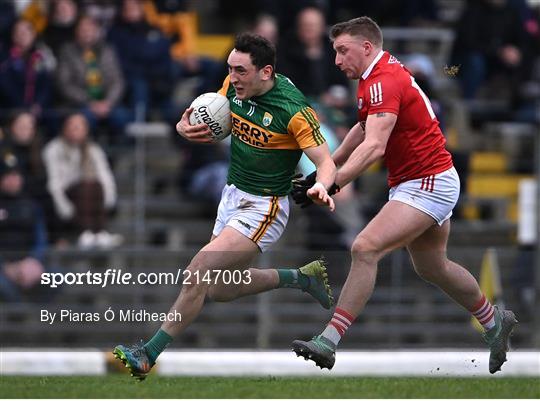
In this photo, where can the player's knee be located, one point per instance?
(196, 276)
(193, 271)
(218, 293)
(423, 271)
(213, 293)
(430, 271)
(364, 249)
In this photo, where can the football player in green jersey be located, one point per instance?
(272, 126)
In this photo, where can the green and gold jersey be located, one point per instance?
(268, 135)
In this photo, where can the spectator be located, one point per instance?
(61, 24)
(23, 141)
(144, 54)
(81, 183)
(90, 78)
(267, 26)
(489, 42)
(308, 59)
(23, 238)
(25, 71)
(179, 24)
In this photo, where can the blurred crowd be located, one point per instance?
(74, 74)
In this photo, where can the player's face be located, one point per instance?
(246, 79)
(351, 55)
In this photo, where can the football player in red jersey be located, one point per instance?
(396, 123)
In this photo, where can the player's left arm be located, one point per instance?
(305, 128)
(322, 159)
(326, 174)
(379, 126)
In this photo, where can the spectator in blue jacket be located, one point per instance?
(144, 54)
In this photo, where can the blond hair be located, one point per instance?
(364, 27)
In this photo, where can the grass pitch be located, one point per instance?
(121, 386)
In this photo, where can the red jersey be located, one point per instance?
(416, 147)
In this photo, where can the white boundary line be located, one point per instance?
(463, 363)
(52, 362)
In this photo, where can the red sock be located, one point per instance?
(484, 312)
(341, 320)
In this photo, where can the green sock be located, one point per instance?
(292, 278)
(157, 344)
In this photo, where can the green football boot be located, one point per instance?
(319, 349)
(498, 338)
(135, 359)
(318, 286)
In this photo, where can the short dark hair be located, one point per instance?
(361, 26)
(261, 51)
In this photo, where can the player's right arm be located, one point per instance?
(354, 137)
(199, 133)
(379, 127)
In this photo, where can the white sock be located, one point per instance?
(331, 334)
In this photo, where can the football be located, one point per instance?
(212, 109)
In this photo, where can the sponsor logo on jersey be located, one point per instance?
(375, 93)
(267, 119)
(393, 60)
(360, 103)
(237, 101)
(250, 134)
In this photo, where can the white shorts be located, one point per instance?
(260, 218)
(435, 195)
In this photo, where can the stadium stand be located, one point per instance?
(163, 226)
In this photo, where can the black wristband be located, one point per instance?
(334, 189)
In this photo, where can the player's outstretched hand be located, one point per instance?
(300, 188)
(319, 195)
(199, 133)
